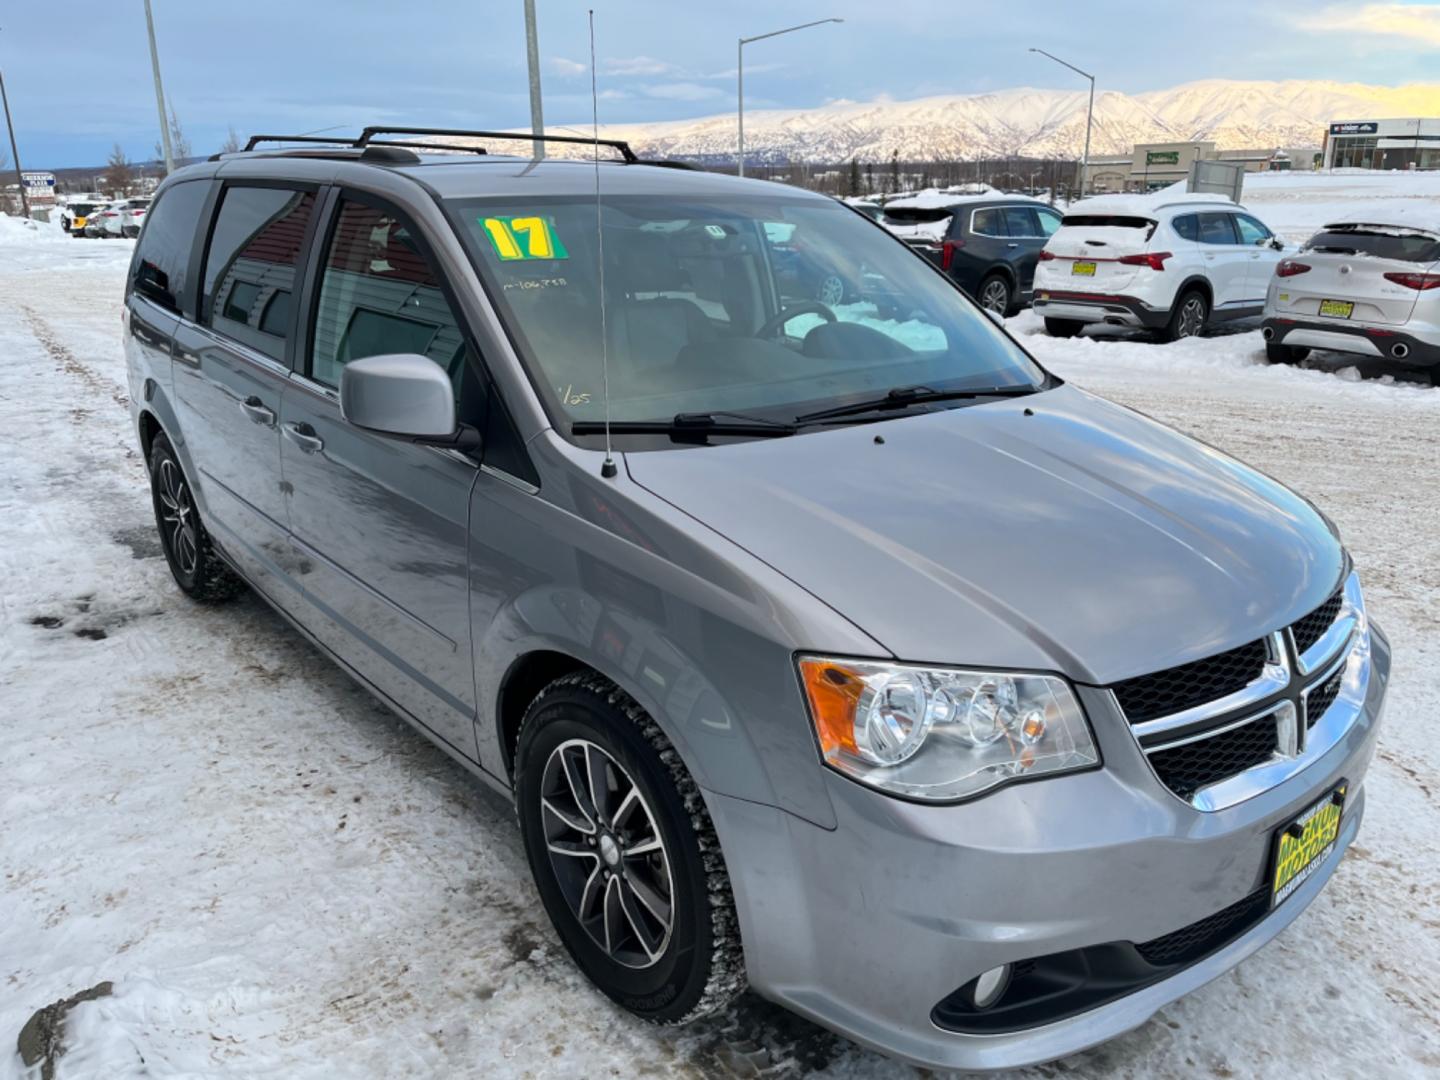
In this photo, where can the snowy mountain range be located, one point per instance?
(1035, 123)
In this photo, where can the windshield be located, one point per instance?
(767, 306)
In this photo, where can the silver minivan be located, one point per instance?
(839, 651)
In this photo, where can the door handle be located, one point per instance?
(303, 436)
(255, 409)
(1012, 244)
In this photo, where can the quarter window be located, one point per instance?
(987, 223)
(254, 249)
(379, 295)
(1187, 227)
(1049, 222)
(162, 257)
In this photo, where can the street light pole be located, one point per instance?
(159, 92)
(532, 50)
(14, 150)
(1089, 116)
(740, 78)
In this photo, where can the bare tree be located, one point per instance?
(232, 143)
(119, 177)
(179, 144)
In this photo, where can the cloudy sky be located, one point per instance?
(78, 73)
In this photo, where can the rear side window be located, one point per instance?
(1049, 222)
(250, 269)
(1020, 221)
(379, 294)
(1378, 241)
(988, 223)
(1217, 229)
(162, 258)
(1187, 227)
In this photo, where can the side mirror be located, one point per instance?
(1277, 243)
(405, 396)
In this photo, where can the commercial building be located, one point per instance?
(1156, 165)
(1383, 144)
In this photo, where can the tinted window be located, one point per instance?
(379, 294)
(1049, 222)
(1251, 231)
(1383, 242)
(1217, 229)
(987, 223)
(254, 249)
(163, 255)
(1187, 227)
(1107, 221)
(1021, 221)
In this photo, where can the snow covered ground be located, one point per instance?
(283, 880)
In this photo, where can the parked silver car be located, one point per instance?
(1369, 288)
(859, 659)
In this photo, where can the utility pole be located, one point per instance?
(14, 151)
(159, 92)
(532, 50)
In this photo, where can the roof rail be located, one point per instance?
(620, 145)
(327, 141)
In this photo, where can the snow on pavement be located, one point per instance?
(284, 880)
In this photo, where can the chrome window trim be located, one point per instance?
(508, 478)
(1275, 677)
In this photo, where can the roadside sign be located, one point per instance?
(39, 188)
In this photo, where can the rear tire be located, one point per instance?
(1285, 354)
(996, 295)
(1188, 318)
(587, 752)
(1063, 328)
(201, 574)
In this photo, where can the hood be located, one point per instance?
(1085, 538)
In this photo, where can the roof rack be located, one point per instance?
(619, 145)
(373, 149)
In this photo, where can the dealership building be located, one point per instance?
(1149, 166)
(1383, 144)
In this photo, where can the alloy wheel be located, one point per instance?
(607, 853)
(831, 291)
(995, 296)
(1192, 317)
(178, 517)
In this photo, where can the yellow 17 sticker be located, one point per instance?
(523, 238)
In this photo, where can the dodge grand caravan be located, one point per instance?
(857, 659)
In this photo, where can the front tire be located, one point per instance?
(198, 570)
(1188, 317)
(624, 854)
(1285, 354)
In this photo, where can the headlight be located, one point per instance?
(943, 733)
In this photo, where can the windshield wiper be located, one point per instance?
(901, 397)
(692, 427)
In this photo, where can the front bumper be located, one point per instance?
(1356, 338)
(1099, 308)
(866, 928)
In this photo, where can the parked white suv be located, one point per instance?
(1362, 287)
(1175, 265)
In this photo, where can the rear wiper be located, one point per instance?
(691, 427)
(900, 397)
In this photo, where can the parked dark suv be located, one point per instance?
(990, 246)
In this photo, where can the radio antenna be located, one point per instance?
(607, 468)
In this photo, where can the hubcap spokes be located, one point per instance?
(832, 291)
(996, 297)
(607, 853)
(177, 516)
(1192, 317)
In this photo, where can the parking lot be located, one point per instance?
(281, 878)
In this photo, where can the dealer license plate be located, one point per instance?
(1337, 309)
(1083, 269)
(1301, 846)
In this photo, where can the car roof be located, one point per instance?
(467, 175)
(1150, 206)
(939, 200)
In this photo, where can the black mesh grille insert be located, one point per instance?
(1188, 768)
(1190, 943)
(1146, 697)
(1322, 697)
(1312, 627)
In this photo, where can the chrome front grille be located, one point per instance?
(1220, 729)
